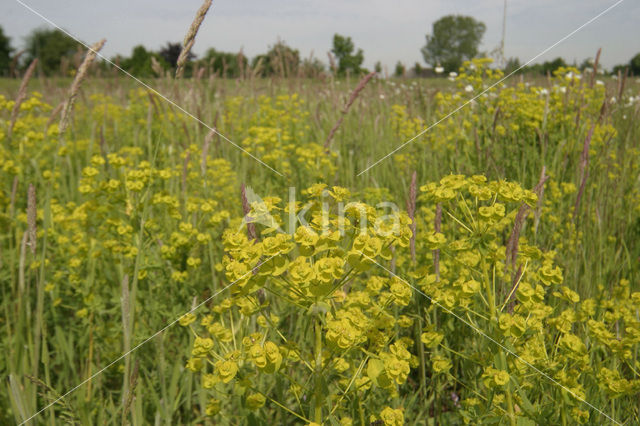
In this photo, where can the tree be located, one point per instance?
(50, 47)
(417, 69)
(139, 63)
(226, 64)
(634, 65)
(377, 67)
(171, 52)
(347, 61)
(550, 67)
(620, 69)
(455, 39)
(5, 53)
(400, 69)
(512, 65)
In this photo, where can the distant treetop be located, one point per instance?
(454, 40)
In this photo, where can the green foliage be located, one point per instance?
(634, 65)
(171, 52)
(348, 61)
(139, 63)
(454, 39)
(50, 47)
(417, 69)
(400, 69)
(511, 65)
(225, 64)
(5, 53)
(547, 67)
(139, 217)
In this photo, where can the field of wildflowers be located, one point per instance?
(485, 273)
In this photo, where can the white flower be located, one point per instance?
(468, 88)
(453, 74)
(544, 92)
(381, 96)
(439, 70)
(613, 100)
(600, 82)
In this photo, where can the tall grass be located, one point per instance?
(49, 348)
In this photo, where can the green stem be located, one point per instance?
(317, 412)
(512, 416)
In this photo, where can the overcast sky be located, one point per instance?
(387, 31)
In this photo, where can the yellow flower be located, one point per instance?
(255, 401)
(187, 319)
(213, 407)
(436, 241)
(440, 364)
(392, 417)
(226, 370)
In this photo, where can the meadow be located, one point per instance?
(485, 273)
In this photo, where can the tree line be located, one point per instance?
(454, 39)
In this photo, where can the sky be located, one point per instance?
(387, 31)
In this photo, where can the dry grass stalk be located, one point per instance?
(515, 282)
(190, 38)
(512, 243)
(243, 65)
(246, 209)
(257, 69)
(185, 174)
(14, 63)
(584, 171)
(523, 212)
(21, 263)
(205, 151)
(53, 115)
(411, 211)
(156, 67)
(361, 85)
(436, 253)
(14, 191)
(133, 382)
(83, 69)
(31, 217)
(622, 79)
(22, 94)
(126, 311)
(66, 413)
(595, 68)
(332, 63)
(540, 191)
